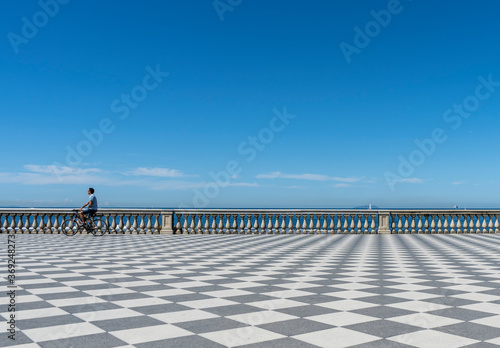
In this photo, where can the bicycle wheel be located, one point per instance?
(100, 226)
(70, 227)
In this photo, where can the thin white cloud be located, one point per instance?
(59, 170)
(342, 185)
(458, 183)
(413, 181)
(307, 176)
(63, 175)
(157, 172)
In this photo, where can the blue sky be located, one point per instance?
(250, 103)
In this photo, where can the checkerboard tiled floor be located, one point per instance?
(255, 291)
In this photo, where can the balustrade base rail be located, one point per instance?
(262, 221)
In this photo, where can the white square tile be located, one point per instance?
(346, 305)
(150, 333)
(108, 314)
(208, 303)
(477, 296)
(341, 318)
(414, 295)
(227, 293)
(261, 317)
(241, 336)
(425, 320)
(349, 295)
(418, 306)
(61, 331)
(336, 338)
(76, 301)
(140, 302)
(278, 303)
(54, 290)
(492, 308)
(183, 316)
(288, 293)
(109, 291)
(432, 339)
(493, 321)
(39, 313)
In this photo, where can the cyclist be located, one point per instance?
(92, 206)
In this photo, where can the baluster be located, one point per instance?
(345, 228)
(135, 226)
(149, 226)
(13, 223)
(419, 224)
(269, 224)
(220, 225)
(433, 224)
(365, 223)
(127, 224)
(452, 224)
(426, 224)
(206, 223)
(324, 227)
(358, 225)
(490, 224)
(439, 223)
(373, 226)
(413, 224)
(20, 223)
(142, 225)
(466, 224)
(227, 227)
(406, 224)
(5, 225)
(157, 227)
(400, 223)
(297, 223)
(318, 223)
(446, 224)
(32, 228)
(199, 217)
(478, 224)
(331, 226)
(339, 223)
(249, 222)
(484, 225)
(497, 224)
(234, 225)
(311, 224)
(120, 223)
(304, 223)
(459, 223)
(290, 224)
(277, 223)
(283, 223)
(242, 223)
(41, 226)
(57, 217)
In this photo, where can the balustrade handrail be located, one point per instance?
(238, 220)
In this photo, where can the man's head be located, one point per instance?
(91, 191)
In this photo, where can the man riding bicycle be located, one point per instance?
(92, 206)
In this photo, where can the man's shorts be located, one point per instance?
(88, 211)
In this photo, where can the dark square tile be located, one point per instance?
(460, 313)
(471, 330)
(306, 311)
(287, 342)
(383, 328)
(225, 311)
(102, 340)
(25, 324)
(382, 299)
(182, 342)
(126, 323)
(210, 325)
(163, 308)
(383, 312)
(295, 327)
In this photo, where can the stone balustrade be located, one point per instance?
(261, 221)
(49, 220)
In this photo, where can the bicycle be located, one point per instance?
(97, 225)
